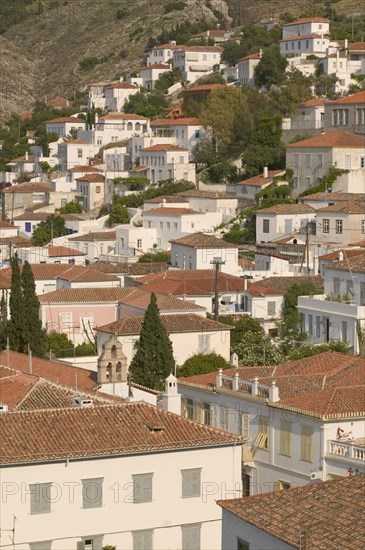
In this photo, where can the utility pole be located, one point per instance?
(307, 246)
(216, 262)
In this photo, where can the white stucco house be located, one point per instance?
(152, 73)
(117, 93)
(339, 313)
(248, 189)
(305, 36)
(51, 255)
(166, 161)
(265, 304)
(225, 204)
(75, 152)
(281, 220)
(303, 419)
(115, 127)
(341, 223)
(62, 126)
(162, 53)
(246, 68)
(144, 478)
(90, 191)
(186, 131)
(198, 251)
(196, 61)
(309, 115)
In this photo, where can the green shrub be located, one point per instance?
(88, 63)
(175, 6)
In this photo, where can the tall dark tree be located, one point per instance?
(154, 359)
(3, 318)
(15, 329)
(271, 68)
(34, 334)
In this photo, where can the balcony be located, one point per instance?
(323, 304)
(349, 450)
(252, 388)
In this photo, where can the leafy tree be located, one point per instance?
(50, 228)
(148, 104)
(265, 147)
(256, 348)
(85, 349)
(15, 328)
(241, 327)
(295, 90)
(205, 153)
(305, 288)
(232, 52)
(154, 257)
(168, 79)
(153, 360)
(34, 334)
(325, 85)
(308, 351)
(271, 68)
(60, 345)
(255, 37)
(3, 319)
(118, 213)
(201, 363)
(72, 207)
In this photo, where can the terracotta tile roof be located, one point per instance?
(59, 102)
(307, 20)
(337, 138)
(199, 193)
(63, 251)
(95, 236)
(348, 207)
(259, 180)
(138, 268)
(163, 147)
(199, 240)
(86, 168)
(86, 274)
(251, 56)
(324, 515)
(259, 291)
(288, 209)
(354, 98)
(121, 86)
(283, 283)
(175, 122)
(66, 119)
(84, 295)
(97, 178)
(167, 46)
(301, 37)
(335, 196)
(245, 262)
(334, 256)
(156, 66)
(356, 263)
(23, 392)
(314, 102)
(60, 373)
(169, 211)
(28, 188)
(140, 297)
(208, 49)
(195, 282)
(32, 216)
(4, 225)
(181, 323)
(356, 46)
(122, 116)
(18, 242)
(41, 271)
(49, 435)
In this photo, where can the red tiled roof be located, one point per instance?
(87, 168)
(334, 256)
(164, 147)
(175, 122)
(251, 56)
(307, 20)
(354, 98)
(259, 180)
(337, 138)
(301, 37)
(258, 291)
(349, 207)
(208, 49)
(323, 515)
(314, 102)
(28, 188)
(54, 251)
(356, 46)
(288, 209)
(356, 263)
(4, 225)
(97, 178)
(95, 236)
(335, 196)
(199, 240)
(49, 435)
(180, 323)
(66, 119)
(122, 116)
(140, 297)
(169, 211)
(86, 274)
(169, 199)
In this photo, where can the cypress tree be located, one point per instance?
(34, 334)
(16, 324)
(154, 359)
(3, 319)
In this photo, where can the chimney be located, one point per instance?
(26, 156)
(3, 408)
(260, 53)
(340, 256)
(266, 172)
(163, 203)
(234, 360)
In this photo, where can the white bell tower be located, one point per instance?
(171, 399)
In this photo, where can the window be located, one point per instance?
(129, 126)
(92, 493)
(266, 226)
(285, 437)
(350, 288)
(161, 225)
(190, 535)
(362, 294)
(318, 327)
(295, 182)
(242, 545)
(308, 160)
(306, 443)
(139, 243)
(286, 46)
(296, 160)
(319, 161)
(347, 162)
(90, 543)
(299, 44)
(326, 225)
(204, 343)
(271, 308)
(187, 408)
(339, 227)
(308, 181)
(41, 545)
(262, 439)
(97, 189)
(336, 285)
(168, 225)
(191, 483)
(207, 413)
(363, 227)
(142, 488)
(28, 227)
(344, 331)
(175, 226)
(40, 498)
(149, 224)
(223, 417)
(310, 325)
(79, 153)
(142, 540)
(360, 116)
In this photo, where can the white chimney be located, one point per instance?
(3, 408)
(234, 360)
(340, 256)
(82, 402)
(163, 203)
(26, 156)
(171, 399)
(266, 172)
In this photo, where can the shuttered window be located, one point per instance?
(191, 482)
(40, 498)
(92, 492)
(143, 540)
(306, 443)
(271, 308)
(285, 437)
(142, 488)
(204, 343)
(91, 543)
(191, 536)
(42, 545)
(245, 425)
(262, 439)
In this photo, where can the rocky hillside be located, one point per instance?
(41, 55)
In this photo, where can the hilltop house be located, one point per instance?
(282, 220)
(63, 126)
(196, 61)
(186, 131)
(166, 162)
(90, 191)
(346, 114)
(305, 36)
(341, 223)
(246, 68)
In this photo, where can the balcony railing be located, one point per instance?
(347, 449)
(248, 387)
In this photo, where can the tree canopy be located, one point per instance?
(50, 228)
(201, 363)
(149, 104)
(271, 68)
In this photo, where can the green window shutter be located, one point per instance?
(92, 493)
(142, 488)
(40, 498)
